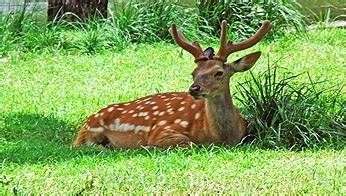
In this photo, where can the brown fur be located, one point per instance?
(200, 131)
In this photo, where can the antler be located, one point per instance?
(193, 48)
(227, 47)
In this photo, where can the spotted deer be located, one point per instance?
(204, 115)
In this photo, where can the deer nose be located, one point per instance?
(194, 89)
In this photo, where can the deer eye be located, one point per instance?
(218, 74)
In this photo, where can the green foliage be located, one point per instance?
(245, 16)
(144, 22)
(284, 112)
(149, 21)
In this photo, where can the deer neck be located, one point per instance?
(223, 118)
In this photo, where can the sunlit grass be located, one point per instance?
(46, 96)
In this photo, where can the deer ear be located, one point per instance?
(209, 52)
(245, 63)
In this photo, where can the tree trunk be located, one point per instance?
(73, 9)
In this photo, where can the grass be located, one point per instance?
(198, 170)
(285, 112)
(143, 22)
(46, 96)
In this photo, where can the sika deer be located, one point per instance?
(205, 115)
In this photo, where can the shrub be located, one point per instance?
(284, 112)
(245, 16)
(149, 21)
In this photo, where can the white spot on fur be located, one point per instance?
(146, 118)
(120, 108)
(143, 114)
(124, 112)
(162, 122)
(161, 113)
(135, 115)
(152, 103)
(131, 111)
(184, 124)
(183, 102)
(147, 99)
(126, 104)
(142, 128)
(181, 109)
(97, 115)
(176, 121)
(110, 109)
(97, 129)
(193, 106)
(197, 115)
(125, 127)
(155, 107)
(156, 113)
(113, 126)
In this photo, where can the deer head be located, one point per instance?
(212, 74)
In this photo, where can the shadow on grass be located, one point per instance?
(39, 139)
(35, 138)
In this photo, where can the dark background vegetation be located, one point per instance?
(147, 21)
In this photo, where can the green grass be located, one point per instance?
(45, 97)
(198, 170)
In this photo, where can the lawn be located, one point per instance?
(46, 96)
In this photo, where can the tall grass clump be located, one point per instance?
(285, 112)
(6, 37)
(149, 21)
(24, 31)
(11, 26)
(245, 16)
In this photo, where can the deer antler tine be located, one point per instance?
(223, 41)
(227, 47)
(223, 36)
(194, 48)
(266, 26)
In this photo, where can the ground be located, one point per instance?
(46, 96)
